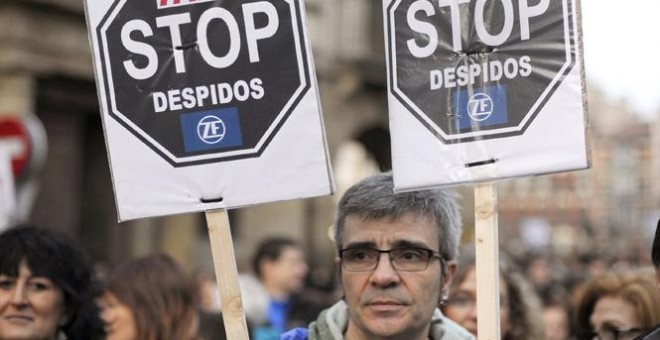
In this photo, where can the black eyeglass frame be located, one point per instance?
(431, 255)
(617, 333)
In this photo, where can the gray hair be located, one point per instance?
(374, 198)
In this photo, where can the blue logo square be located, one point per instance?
(481, 107)
(214, 129)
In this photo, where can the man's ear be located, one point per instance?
(449, 273)
(266, 265)
(338, 264)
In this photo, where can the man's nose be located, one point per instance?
(384, 275)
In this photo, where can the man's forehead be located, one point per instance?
(408, 230)
(409, 216)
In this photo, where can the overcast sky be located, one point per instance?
(622, 50)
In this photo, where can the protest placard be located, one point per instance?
(479, 91)
(208, 105)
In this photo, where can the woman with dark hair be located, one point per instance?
(47, 289)
(150, 299)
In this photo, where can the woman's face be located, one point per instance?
(462, 305)
(31, 307)
(118, 319)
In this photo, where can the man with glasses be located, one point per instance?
(397, 256)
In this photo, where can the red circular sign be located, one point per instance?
(14, 134)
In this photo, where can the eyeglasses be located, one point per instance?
(408, 259)
(616, 333)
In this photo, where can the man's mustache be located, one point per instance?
(396, 297)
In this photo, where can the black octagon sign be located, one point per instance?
(473, 70)
(203, 81)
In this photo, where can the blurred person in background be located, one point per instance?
(273, 295)
(150, 298)
(556, 321)
(211, 324)
(616, 305)
(542, 270)
(207, 291)
(47, 290)
(556, 312)
(654, 333)
(397, 256)
(520, 309)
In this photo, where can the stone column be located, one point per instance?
(17, 93)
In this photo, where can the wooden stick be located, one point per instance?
(487, 266)
(226, 274)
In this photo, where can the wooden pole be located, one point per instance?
(487, 262)
(224, 262)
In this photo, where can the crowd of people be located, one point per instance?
(402, 274)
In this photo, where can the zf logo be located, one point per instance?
(214, 129)
(211, 129)
(480, 107)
